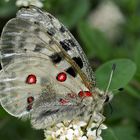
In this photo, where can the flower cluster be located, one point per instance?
(74, 131)
(37, 3)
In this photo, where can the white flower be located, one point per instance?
(37, 3)
(83, 138)
(79, 124)
(63, 137)
(93, 133)
(69, 134)
(22, 3)
(74, 131)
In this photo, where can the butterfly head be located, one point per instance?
(103, 96)
(106, 95)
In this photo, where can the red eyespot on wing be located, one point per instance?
(88, 93)
(81, 94)
(84, 94)
(61, 77)
(63, 101)
(31, 79)
(30, 103)
(30, 99)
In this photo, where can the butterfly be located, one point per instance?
(45, 74)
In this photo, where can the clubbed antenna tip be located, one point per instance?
(113, 67)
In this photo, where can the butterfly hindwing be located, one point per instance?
(52, 107)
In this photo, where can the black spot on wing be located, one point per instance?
(50, 16)
(7, 56)
(36, 22)
(0, 66)
(38, 47)
(65, 45)
(71, 42)
(78, 61)
(49, 112)
(51, 31)
(71, 71)
(62, 29)
(8, 50)
(29, 107)
(56, 58)
(37, 30)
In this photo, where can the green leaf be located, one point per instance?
(123, 107)
(3, 113)
(132, 91)
(137, 56)
(109, 135)
(12, 127)
(124, 72)
(74, 11)
(95, 43)
(124, 133)
(68, 11)
(119, 133)
(7, 8)
(129, 6)
(132, 26)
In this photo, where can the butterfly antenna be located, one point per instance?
(110, 78)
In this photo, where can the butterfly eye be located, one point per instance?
(31, 79)
(84, 94)
(61, 77)
(107, 99)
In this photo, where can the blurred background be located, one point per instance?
(106, 30)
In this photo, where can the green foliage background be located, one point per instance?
(124, 122)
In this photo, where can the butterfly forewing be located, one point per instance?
(60, 34)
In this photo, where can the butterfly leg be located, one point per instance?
(100, 123)
(84, 129)
(90, 120)
(67, 124)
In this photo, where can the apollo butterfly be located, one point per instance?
(45, 73)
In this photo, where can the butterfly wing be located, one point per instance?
(61, 35)
(33, 53)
